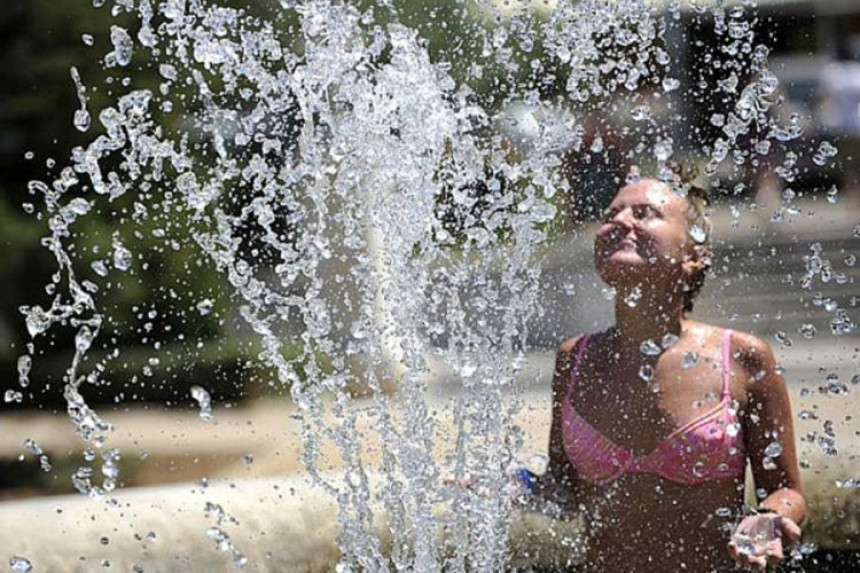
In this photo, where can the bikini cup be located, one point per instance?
(709, 447)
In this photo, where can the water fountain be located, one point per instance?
(378, 187)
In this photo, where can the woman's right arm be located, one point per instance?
(557, 484)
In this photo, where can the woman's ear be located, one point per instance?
(698, 260)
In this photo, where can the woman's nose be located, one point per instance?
(623, 217)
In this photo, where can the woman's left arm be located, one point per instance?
(769, 433)
(759, 540)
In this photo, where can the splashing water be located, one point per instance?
(204, 401)
(373, 209)
(20, 564)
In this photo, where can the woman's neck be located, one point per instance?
(651, 317)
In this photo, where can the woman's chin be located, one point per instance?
(620, 270)
(621, 260)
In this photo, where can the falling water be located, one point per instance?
(374, 204)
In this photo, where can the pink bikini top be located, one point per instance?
(707, 448)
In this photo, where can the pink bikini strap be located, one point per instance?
(581, 345)
(727, 358)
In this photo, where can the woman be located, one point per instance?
(654, 419)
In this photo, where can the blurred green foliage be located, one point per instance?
(153, 304)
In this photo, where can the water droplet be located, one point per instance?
(20, 564)
(763, 147)
(650, 348)
(32, 447)
(83, 339)
(689, 359)
(850, 260)
(669, 340)
(744, 544)
(25, 362)
(783, 339)
(79, 206)
(807, 331)
(204, 401)
(608, 293)
(123, 47)
(723, 512)
(698, 234)
(663, 149)
(100, 268)
(807, 548)
(82, 120)
(358, 331)
(850, 483)
(122, 257)
(632, 298)
(773, 450)
(646, 372)
(37, 321)
(670, 84)
(834, 386)
(110, 470)
(13, 396)
(569, 289)
(167, 71)
(466, 370)
(733, 429)
(87, 39)
(640, 113)
(768, 463)
(205, 306)
(826, 151)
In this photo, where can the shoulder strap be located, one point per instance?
(727, 361)
(581, 346)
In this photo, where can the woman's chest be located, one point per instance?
(637, 412)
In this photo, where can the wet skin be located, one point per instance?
(643, 522)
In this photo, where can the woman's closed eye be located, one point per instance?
(640, 213)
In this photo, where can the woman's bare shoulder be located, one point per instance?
(566, 347)
(742, 343)
(755, 355)
(748, 350)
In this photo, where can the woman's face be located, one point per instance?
(644, 240)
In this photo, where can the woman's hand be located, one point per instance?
(759, 540)
(521, 484)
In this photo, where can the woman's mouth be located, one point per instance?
(627, 244)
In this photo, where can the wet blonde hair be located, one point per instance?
(682, 183)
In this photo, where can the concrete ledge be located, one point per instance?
(277, 524)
